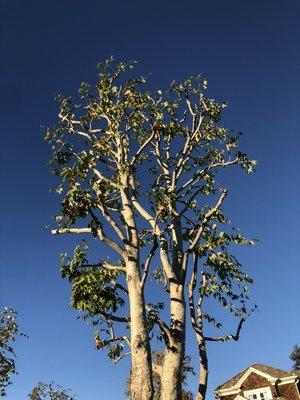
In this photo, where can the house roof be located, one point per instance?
(273, 372)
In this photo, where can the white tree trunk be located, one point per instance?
(141, 370)
(172, 368)
(141, 387)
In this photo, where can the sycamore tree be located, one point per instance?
(137, 174)
(9, 330)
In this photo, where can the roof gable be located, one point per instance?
(269, 373)
(250, 371)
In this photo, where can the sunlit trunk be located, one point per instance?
(141, 386)
(141, 371)
(173, 360)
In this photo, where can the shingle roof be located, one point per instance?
(274, 372)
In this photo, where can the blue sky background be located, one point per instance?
(249, 51)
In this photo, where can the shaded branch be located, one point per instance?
(191, 288)
(101, 343)
(228, 337)
(161, 324)
(148, 261)
(115, 318)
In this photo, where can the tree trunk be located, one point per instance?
(172, 368)
(141, 386)
(141, 369)
(203, 373)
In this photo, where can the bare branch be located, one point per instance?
(191, 109)
(113, 267)
(71, 230)
(142, 147)
(225, 163)
(159, 158)
(148, 261)
(111, 221)
(105, 239)
(192, 181)
(228, 337)
(106, 266)
(192, 285)
(116, 339)
(115, 317)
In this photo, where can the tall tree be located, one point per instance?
(137, 172)
(9, 330)
(295, 357)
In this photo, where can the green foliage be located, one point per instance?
(115, 351)
(9, 330)
(50, 391)
(295, 357)
(93, 289)
(87, 136)
(222, 274)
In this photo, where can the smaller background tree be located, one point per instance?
(295, 357)
(9, 330)
(50, 391)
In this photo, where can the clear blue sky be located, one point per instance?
(249, 51)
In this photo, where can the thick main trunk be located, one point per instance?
(141, 370)
(141, 386)
(171, 381)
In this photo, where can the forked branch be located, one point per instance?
(206, 219)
